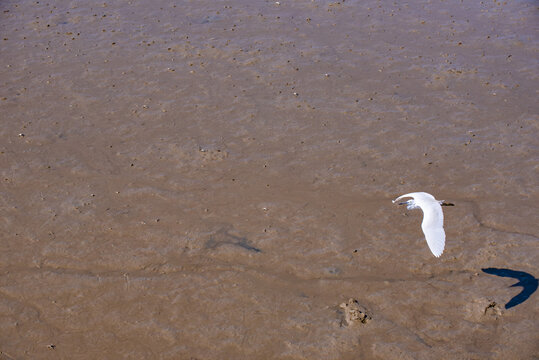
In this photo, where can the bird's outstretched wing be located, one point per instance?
(415, 195)
(435, 240)
(433, 226)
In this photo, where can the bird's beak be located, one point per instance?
(447, 204)
(403, 203)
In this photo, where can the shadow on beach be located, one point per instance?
(527, 281)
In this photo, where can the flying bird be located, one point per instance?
(433, 218)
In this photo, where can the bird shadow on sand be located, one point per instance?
(527, 281)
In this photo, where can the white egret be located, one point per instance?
(433, 218)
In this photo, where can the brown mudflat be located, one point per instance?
(212, 179)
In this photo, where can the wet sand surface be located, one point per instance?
(213, 179)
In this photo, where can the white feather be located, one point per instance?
(433, 219)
